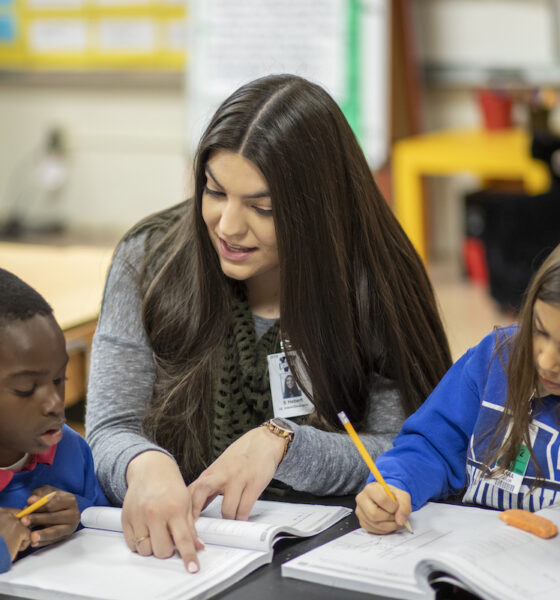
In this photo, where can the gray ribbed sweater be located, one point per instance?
(120, 389)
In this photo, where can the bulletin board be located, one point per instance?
(92, 34)
(341, 44)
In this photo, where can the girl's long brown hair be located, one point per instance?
(522, 378)
(355, 298)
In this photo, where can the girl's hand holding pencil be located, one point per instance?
(378, 513)
(379, 510)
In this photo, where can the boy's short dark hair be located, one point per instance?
(18, 300)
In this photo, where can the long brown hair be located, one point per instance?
(522, 378)
(358, 302)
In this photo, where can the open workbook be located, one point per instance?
(96, 563)
(468, 547)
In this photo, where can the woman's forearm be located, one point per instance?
(326, 463)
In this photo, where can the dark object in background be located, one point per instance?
(517, 230)
(36, 182)
(546, 147)
(447, 591)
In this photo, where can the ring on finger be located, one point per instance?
(141, 539)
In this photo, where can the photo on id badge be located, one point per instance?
(288, 400)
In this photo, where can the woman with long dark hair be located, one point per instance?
(195, 303)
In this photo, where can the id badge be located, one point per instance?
(512, 478)
(288, 400)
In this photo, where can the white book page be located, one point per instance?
(297, 519)
(266, 521)
(102, 517)
(98, 564)
(225, 532)
(241, 534)
(505, 563)
(385, 563)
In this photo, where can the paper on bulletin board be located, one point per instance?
(7, 22)
(58, 35)
(54, 4)
(93, 34)
(174, 35)
(340, 44)
(123, 2)
(127, 35)
(7, 29)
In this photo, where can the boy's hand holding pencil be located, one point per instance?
(35, 506)
(15, 534)
(53, 519)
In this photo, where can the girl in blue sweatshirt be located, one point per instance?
(490, 429)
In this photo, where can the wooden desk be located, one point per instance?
(71, 278)
(501, 154)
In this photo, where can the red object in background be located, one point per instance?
(496, 109)
(382, 178)
(474, 259)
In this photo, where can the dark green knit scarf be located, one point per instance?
(241, 390)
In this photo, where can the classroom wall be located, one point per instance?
(488, 34)
(125, 149)
(482, 43)
(126, 144)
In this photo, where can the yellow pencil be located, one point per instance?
(33, 507)
(367, 458)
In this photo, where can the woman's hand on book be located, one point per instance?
(57, 519)
(241, 473)
(377, 513)
(16, 535)
(157, 515)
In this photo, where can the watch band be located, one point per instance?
(281, 429)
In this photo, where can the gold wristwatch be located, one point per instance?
(282, 429)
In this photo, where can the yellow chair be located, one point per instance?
(498, 154)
